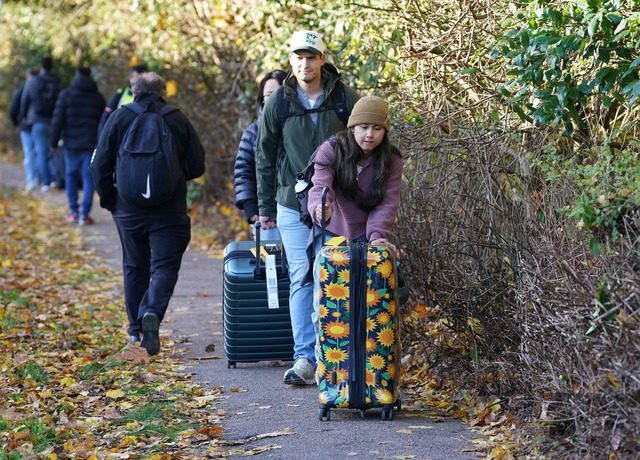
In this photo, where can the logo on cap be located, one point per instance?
(307, 40)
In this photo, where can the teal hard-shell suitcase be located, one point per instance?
(255, 328)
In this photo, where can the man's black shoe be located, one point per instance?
(150, 333)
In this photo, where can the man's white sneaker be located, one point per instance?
(302, 373)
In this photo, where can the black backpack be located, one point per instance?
(283, 106)
(148, 168)
(49, 90)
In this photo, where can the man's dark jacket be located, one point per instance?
(103, 164)
(14, 109)
(76, 116)
(29, 102)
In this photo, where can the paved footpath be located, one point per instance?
(255, 400)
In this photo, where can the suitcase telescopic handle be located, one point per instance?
(325, 190)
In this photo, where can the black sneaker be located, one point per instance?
(150, 333)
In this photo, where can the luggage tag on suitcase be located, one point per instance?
(272, 281)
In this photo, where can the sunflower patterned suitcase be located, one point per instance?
(359, 346)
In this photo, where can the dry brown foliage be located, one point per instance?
(539, 322)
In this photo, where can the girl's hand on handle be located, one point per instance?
(378, 241)
(328, 211)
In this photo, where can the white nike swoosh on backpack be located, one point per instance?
(147, 194)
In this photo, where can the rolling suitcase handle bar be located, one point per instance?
(325, 190)
(323, 222)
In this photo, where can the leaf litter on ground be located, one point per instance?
(71, 387)
(70, 384)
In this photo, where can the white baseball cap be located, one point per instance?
(307, 40)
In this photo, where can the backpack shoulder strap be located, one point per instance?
(166, 110)
(134, 107)
(282, 105)
(339, 101)
(139, 110)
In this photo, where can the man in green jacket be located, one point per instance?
(309, 92)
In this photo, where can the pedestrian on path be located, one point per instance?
(244, 170)
(154, 238)
(28, 148)
(310, 91)
(36, 107)
(75, 121)
(363, 172)
(122, 96)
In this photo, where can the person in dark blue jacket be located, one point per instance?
(28, 148)
(36, 107)
(75, 121)
(244, 171)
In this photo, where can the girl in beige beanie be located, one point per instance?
(363, 172)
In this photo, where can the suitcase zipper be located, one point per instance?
(357, 328)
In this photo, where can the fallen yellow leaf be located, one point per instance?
(68, 381)
(614, 381)
(115, 394)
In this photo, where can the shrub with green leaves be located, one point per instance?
(606, 187)
(572, 65)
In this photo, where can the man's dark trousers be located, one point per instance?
(152, 249)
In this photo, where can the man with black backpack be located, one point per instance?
(36, 107)
(152, 150)
(306, 110)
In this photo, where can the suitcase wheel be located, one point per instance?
(398, 404)
(325, 413)
(387, 413)
(231, 364)
(362, 413)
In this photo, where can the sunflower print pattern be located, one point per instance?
(381, 370)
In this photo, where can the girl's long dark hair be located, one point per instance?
(345, 167)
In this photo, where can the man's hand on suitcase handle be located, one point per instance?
(268, 222)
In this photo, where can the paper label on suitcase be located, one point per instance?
(272, 281)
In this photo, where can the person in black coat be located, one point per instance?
(75, 121)
(153, 238)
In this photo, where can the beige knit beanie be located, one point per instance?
(370, 110)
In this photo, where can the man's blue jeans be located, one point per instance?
(40, 136)
(295, 236)
(29, 162)
(78, 165)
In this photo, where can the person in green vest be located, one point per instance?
(122, 96)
